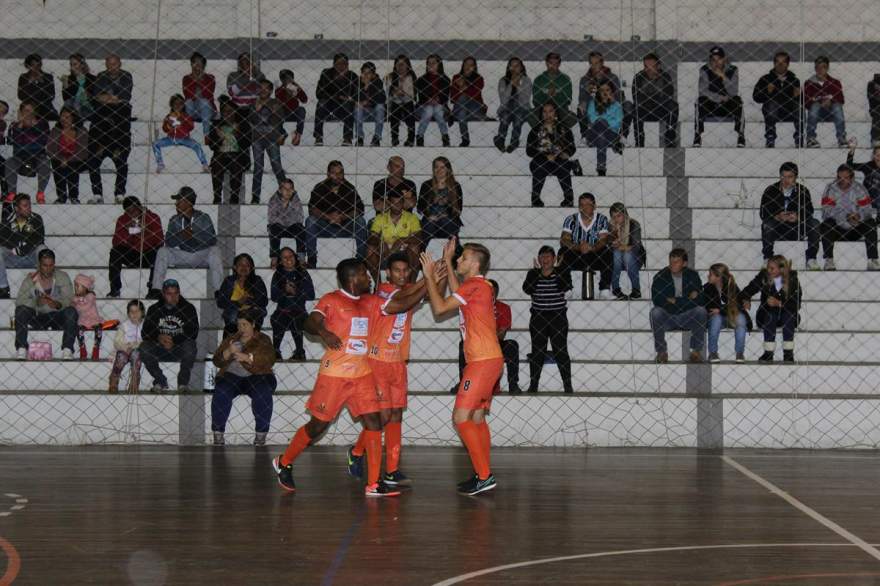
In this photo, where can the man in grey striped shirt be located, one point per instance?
(584, 244)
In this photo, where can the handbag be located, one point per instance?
(39, 351)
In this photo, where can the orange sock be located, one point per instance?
(392, 446)
(373, 444)
(358, 449)
(299, 442)
(470, 437)
(486, 441)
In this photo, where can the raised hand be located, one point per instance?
(427, 264)
(449, 248)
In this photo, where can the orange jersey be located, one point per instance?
(389, 334)
(477, 320)
(344, 315)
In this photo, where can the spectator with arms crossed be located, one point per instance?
(677, 295)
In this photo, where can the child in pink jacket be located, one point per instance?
(85, 302)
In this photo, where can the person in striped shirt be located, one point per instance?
(584, 243)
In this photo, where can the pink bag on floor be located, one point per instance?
(40, 351)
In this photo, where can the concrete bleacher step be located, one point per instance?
(745, 255)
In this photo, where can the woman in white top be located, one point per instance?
(127, 343)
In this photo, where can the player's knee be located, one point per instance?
(315, 428)
(372, 421)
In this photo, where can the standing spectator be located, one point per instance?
(177, 127)
(432, 90)
(551, 145)
(44, 302)
(721, 296)
(4, 110)
(189, 242)
(292, 97)
(28, 136)
(605, 119)
(625, 241)
(787, 214)
(242, 291)
(847, 215)
(243, 84)
(335, 211)
(77, 87)
(267, 126)
(874, 109)
(678, 305)
(401, 87)
(823, 100)
(552, 86)
(198, 91)
(584, 244)
(515, 99)
(780, 305)
(370, 105)
(127, 344)
(396, 179)
(68, 151)
(395, 230)
(719, 96)
(337, 91)
(22, 238)
(38, 87)
(588, 88)
(86, 304)
(466, 94)
(169, 335)
(110, 131)
(230, 141)
(136, 241)
(779, 93)
(290, 289)
(654, 101)
(440, 203)
(871, 172)
(547, 285)
(285, 220)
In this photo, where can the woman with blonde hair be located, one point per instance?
(721, 296)
(780, 305)
(629, 252)
(440, 202)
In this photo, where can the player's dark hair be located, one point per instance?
(678, 253)
(495, 288)
(484, 258)
(347, 269)
(398, 257)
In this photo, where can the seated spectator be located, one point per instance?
(823, 100)
(68, 151)
(267, 127)
(110, 131)
(245, 360)
(779, 93)
(466, 95)
(290, 289)
(401, 87)
(285, 220)
(335, 211)
(440, 203)
(22, 237)
(292, 97)
(552, 86)
(242, 291)
(169, 335)
(874, 109)
(395, 230)
(719, 96)
(4, 110)
(721, 297)
(551, 145)
(198, 91)
(126, 344)
(230, 142)
(370, 105)
(86, 304)
(28, 137)
(433, 90)
(787, 214)
(38, 87)
(871, 172)
(678, 305)
(780, 305)
(847, 215)
(584, 243)
(515, 99)
(654, 101)
(337, 91)
(604, 119)
(243, 84)
(77, 87)
(396, 179)
(177, 127)
(189, 242)
(588, 88)
(137, 239)
(625, 241)
(44, 302)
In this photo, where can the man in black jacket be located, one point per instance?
(787, 214)
(337, 91)
(169, 333)
(22, 237)
(779, 93)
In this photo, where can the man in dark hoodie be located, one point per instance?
(337, 90)
(169, 334)
(779, 93)
(719, 96)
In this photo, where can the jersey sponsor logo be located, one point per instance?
(359, 326)
(356, 347)
(398, 330)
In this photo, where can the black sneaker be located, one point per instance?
(513, 146)
(445, 140)
(537, 203)
(698, 140)
(617, 147)
(420, 141)
(380, 489)
(298, 356)
(319, 141)
(469, 481)
(635, 294)
(476, 486)
(499, 143)
(741, 141)
(576, 168)
(355, 465)
(4, 293)
(465, 142)
(766, 357)
(513, 389)
(619, 294)
(285, 474)
(376, 142)
(360, 142)
(395, 141)
(788, 355)
(397, 478)
(114, 293)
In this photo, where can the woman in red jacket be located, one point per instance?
(198, 91)
(467, 97)
(177, 126)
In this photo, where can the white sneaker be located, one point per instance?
(67, 354)
(829, 264)
(21, 354)
(873, 264)
(117, 199)
(605, 295)
(812, 265)
(96, 200)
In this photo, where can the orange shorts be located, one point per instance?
(332, 393)
(477, 382)
(391, 383)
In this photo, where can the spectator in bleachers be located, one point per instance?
(169, 335)
(337, 92)
(721, 296)
(823, 100)
(45, 302)
(605, 123)
(110, 131)
(780, 305)
(286, 220)
(335, 211)
(625, 240)
(547, 285)
(466, 95)
(584, 243)
(243, 84)
(440, 202)
(396, 179)
(779, 93)
(432, 91)
(676, 292)
(873, 92)
(292, 97)
(4, 110)
(230, 142)
(654, 101)
(242, 291)
(551, 145)
(137, 239)
(198, 91)
(719, 96)
(871, 172)
(787, 214)
(86, 304)
(28, 137)
(68, 151)
(515, 99)
(267, 127)
(552, 86)
(400, 84)
(177, 127)
(588, 88)
(290, 289)
(394, 230)
(22, 237)
(126, 344)
(77, 87)
(370, 104)
(38, 87)
(190, 242)
(847, 215)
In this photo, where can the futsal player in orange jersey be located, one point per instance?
(473, 297)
